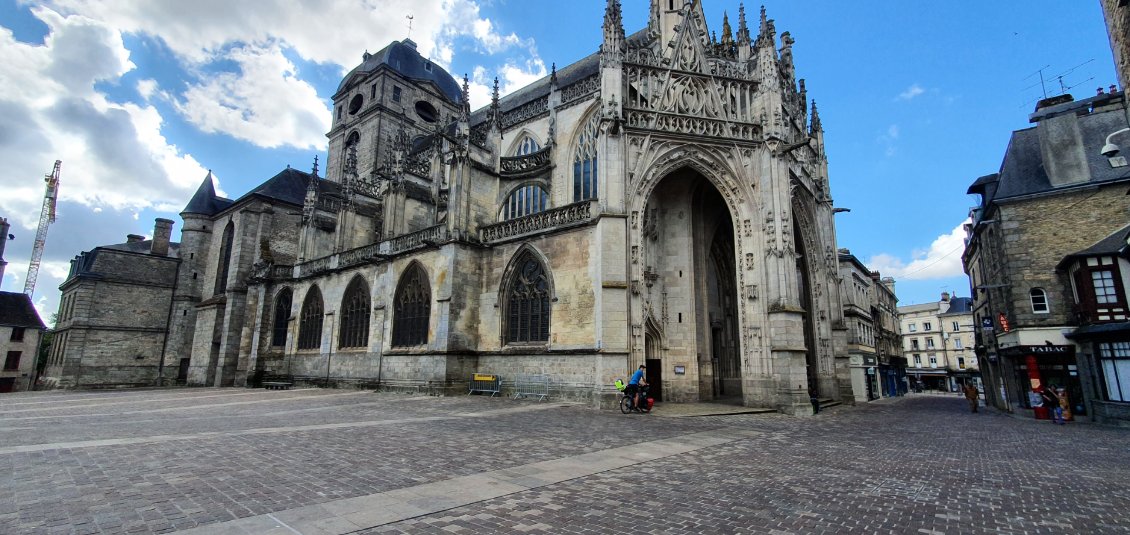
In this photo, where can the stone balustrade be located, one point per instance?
(528, 163)
(360, 255)
(568, 215)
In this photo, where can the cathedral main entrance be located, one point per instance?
(690, 294)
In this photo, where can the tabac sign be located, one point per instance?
(1039, 351)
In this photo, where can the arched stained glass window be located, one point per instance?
(527, 146)
(354, 329)
(225, 259)
(527, 302)
(310, 323)
(524, 201)
(282, 314)
(584, 161)
(413, 304)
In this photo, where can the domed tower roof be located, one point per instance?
(402, 57)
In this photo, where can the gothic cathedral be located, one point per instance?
(662, 201)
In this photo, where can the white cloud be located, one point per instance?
(146, 88)
(941, 260)
(913, 91)
(264, 104)
(113, 154)
(893, 131)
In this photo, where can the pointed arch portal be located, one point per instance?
(690, 300)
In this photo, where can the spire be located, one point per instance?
(465, 107)
(613, 20)
(204, 200)
(612, 50)
(727, 33)
(767, 33)
(552, 73)
(743, 30)
(495, 113)
(803, 94)
(315, 171)
(814, 123)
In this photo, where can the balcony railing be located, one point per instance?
(566, 216)
(361, 255)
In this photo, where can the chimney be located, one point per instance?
(134, 238)
(162, 230)
(889, 282)
(945, 297)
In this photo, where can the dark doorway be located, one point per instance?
(654, 378)
(804, 284)
(182, 372)
(7, 385)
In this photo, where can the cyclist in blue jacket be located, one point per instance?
(634, 384)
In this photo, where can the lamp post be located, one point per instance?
(330, 354)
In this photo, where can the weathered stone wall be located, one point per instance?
(28, 347)
(1117, 14)
(1036, 238)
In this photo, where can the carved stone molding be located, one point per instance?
(548, 220)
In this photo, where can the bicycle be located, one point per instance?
(626, 399)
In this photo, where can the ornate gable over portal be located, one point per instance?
(685, 90)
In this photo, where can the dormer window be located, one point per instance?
(1098, 285)
(428, 66)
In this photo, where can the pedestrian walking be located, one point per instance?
(1051, 401)
(971, 394)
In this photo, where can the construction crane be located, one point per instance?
(46, 217)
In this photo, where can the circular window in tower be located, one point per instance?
(426, 111)
(355, 104)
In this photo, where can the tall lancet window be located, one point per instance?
(354, 330)
(584, 161)
(225, 259)
(282, 318)
(524, 201)
(310, 323)
(527, 302)
(413, 303)
(527, 146)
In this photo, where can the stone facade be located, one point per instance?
(1117, 15)
(114, 314)
(664, 201)
(1056, 194)
(21, 332)
(938, 343)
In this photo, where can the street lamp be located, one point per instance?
(1111, 150)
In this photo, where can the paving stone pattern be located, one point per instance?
(164, 460)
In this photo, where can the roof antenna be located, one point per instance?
(409, 17)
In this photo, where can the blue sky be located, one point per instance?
(139, 98)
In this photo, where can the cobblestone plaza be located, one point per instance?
(318, 461)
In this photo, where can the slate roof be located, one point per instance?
(17, 310)
(959, 305)
(1022, 171)
(141, 247)
(205, 201)
(402, 57)
(287, 186)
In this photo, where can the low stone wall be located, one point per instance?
(1112, 413)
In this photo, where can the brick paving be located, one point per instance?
(158, 461)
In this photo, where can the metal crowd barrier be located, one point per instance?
(486, 384)
(531, 385)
